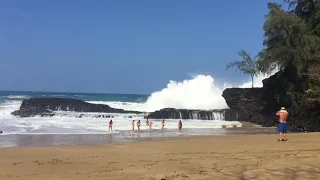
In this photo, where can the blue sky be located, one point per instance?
(123, 46)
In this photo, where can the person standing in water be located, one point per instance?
(163, 123)
(150, 125)
(147, 122)
(133, 125)
(138, 125)
(282, 127)
(180, 126)
(110, 125)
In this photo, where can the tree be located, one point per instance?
(291, 38)
(247, 65)
(284, 33)
(292, 41)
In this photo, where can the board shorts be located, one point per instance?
(282, 128)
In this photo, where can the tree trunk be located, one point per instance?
(252, 80)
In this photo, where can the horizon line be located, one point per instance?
(37, 91)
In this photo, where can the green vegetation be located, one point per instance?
(292, 40)
(292, 43)
(292, 37)
(247, 65)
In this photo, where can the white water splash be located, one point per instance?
(201, 92)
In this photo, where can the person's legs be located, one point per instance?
(280, 130)
(285, 131)
(280, 136)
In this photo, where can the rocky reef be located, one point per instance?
(172, 113)
(259, 105)
(47, 106)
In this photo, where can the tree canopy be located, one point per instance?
(247, 65)
(292, 39)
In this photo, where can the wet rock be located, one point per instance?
(259, 105)
(47, 106)
(172, 113)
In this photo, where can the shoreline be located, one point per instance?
(232, 157)
(69, 139)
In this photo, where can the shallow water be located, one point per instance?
(14, 140)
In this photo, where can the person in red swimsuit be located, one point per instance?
(110, 125)
(180, 126)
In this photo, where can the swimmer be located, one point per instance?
(163, 123)
(150, 125)
(180, 126)
(110, 125)
(138, 125)
(133, 125)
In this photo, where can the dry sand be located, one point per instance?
(205, 157)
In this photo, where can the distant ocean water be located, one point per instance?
(67, 122)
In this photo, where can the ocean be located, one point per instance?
(69, 123)
(66, 128)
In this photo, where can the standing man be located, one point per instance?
(282, 127)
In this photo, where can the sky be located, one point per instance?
(123, 46)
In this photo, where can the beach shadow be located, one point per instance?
(302, 171)
(308, 172)
(284, 166)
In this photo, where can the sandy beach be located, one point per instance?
(187, 157)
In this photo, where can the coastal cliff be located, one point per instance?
(46, 106)
(259, 105)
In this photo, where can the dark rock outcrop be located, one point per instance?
(248, 105)
(172, 113)
(47, 106)
(259, 105)
(306, 117)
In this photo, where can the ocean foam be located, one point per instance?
(201, 92)
(18, 97)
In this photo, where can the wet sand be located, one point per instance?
(195, 157)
